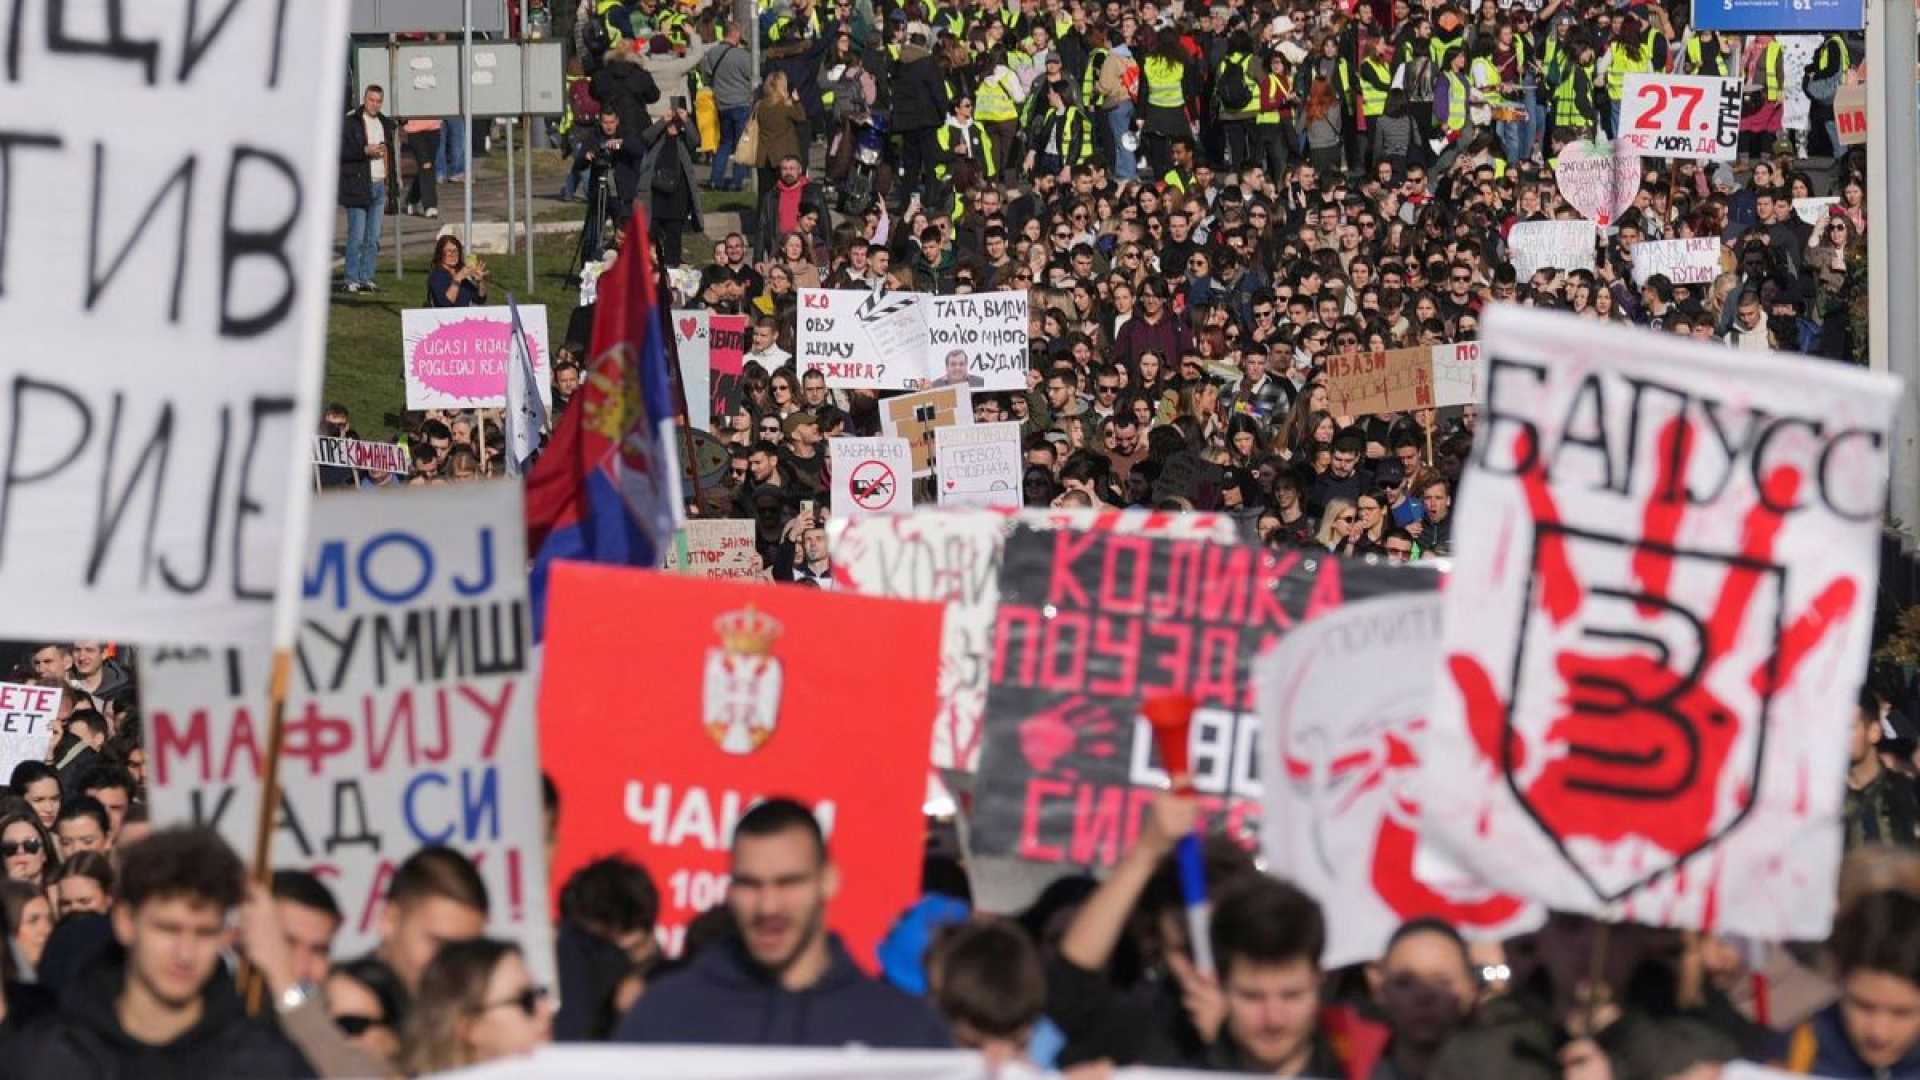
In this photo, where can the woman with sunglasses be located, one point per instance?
(477, 1003)
(26, 849)
(363, 998)
(1339, 524)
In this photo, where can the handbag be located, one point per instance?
(747, 152)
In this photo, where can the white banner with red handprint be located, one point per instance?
(1664, 572)
(1344, 701)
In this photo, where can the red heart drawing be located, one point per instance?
(950, 485)
(688, 326)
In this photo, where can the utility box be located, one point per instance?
(426, 16)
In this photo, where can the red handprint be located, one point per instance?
(1638, 741)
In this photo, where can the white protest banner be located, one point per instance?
(1680, 116)
(1813, 211)
(715, 548)
(355, 454)
(978, 465)
(1596, 181)
(26, 723)
(171, 249)
(582, 1061)
(693, 345)
(457, 358)
(1657, 624)
(863, 340)
(1558, 245)
(1688, 261)
(1456, 374)
(411, 716)
(1796, 52)
(1344, 701)
(870, 476)
(979, 339)
(952, 557)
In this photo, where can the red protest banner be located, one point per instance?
(751, 691)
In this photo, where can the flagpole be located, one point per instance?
(665, 313)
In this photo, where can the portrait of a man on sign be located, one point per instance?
(955, 373)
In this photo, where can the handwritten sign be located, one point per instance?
(1690, 261)
(978, 465)
(163, 290)
(1394, 380)
(1596, 181)
(355, 454)
(457, 358)
(859, 339)
(1559, 245)
(988, 329)
(411, 718)
(1456, 374)
(26, 723)
(715, 548)
(871, 476)
(1680, 116)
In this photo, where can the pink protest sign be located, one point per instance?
(456, 358)
(1596, 182)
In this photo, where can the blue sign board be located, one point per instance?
(1779, 16)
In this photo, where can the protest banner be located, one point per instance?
(715, 548)
(355, 454)
(1559, 245)
(952, 557)
(1391, 380)
(988, 331)
(1813, 211)
(456, 358)
(1344, 702)
(26, 723)
(1595, 181)
(870, 476)
(587, 1061)
(1456, 374)
(1796, 52)
(164, 263)
(978, 465)
(410, 720)
(915, 418)
(1087, 627)
(1680, 116)
(1850, 114)
(692, 332)
(1689, 261)
(726, 362)
(863, 340)
(1671, 551)
(748, 693)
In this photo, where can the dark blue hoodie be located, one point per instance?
(1820, 1047)
(727, 998)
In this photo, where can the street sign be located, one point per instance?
(1779, 16)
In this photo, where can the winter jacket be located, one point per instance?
(1515, 1040)
(628, 89)
(724, 997)
(356, 170)
(663, 151)
(85, 1039)
(1820, 1047)
(591, 968)
(919, 91)
(779, 133)
(729, 68)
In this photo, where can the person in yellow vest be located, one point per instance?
(1632, 52)
(1273, 123)
(1451, 98)
(1485, 92)
(1062, 135)
(1571, 83)
(1375, 82)
(1236, 99)
(1168, 80)
(965, 154)
(1706, 54)
(1179, 176)
(1829, 70)
(1763, 105)
(997, 99)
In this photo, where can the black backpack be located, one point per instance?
(1232, 91)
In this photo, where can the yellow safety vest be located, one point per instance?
(602, 11)
(1277, 90)
(1165, 83)
(1621, 67)
(1373, 100)
(1770, 60)
(993, 102)
(945, 138)
(1483, 69)
(1693, 60)
(1456, 102)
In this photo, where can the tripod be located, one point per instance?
(598, 231)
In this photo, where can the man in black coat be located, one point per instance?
(158, 1004)
(369, 187)
(919, 108)
(627, 88)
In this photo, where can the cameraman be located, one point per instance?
(609, 156)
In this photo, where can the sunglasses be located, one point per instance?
(528, 1001)
(9, 850)
(1346, 519)
(355, 1026)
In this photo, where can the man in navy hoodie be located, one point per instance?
(783, 979)
(1874, 1029)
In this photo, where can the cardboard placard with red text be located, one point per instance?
(1391, 380)
(752, 691)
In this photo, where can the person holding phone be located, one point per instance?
(666, 179)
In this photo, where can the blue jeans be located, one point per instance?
(1125, 167)
(363, 236)
(452, 158)
(1536, 118)
(1513, 134)
(733, 122)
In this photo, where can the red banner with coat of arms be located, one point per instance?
(669, 705)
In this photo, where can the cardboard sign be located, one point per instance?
(952, 557)
(870, 476)
(1560, 245)
(747, 696)
(355, 454)
(978, 465)
(163, 299)
(915, 418)
(1597, 182)
(1344, 701)
(1456, 374)
(1680, 116)
(1087, 628)
(411, 718)
(715, 548)
(711, 350)
(1394, 380)
(861, 339)
(1671, 550)
(1813, 211)
(985, 332)
(456, 358)
(26, 723)
(1850, 114)
(1691, 261)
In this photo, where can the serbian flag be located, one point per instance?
(607, 488)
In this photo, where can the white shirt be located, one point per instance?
(376, 136)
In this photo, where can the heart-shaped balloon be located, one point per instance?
(1596, 182)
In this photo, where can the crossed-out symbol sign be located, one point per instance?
(872, 485)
